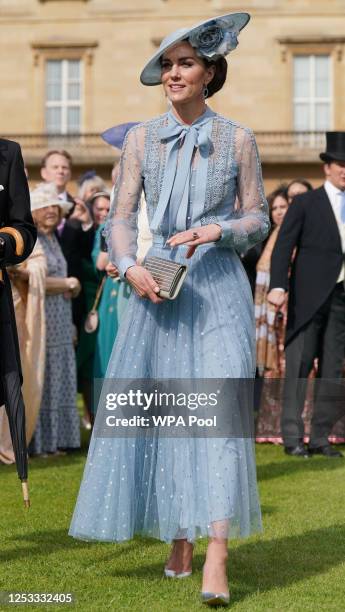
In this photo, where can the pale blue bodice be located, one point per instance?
(195, 175)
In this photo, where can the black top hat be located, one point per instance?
(335, 148)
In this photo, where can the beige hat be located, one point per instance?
(45, 194)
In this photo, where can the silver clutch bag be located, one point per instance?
(168, 275)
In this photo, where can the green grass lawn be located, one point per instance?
(297, 564)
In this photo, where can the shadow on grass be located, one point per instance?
(261, 566)
(39, 463)
(278, 563)
(268, 510)
(58, 540)
(295, 465)
(254, 566)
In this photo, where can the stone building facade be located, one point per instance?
(69, 70)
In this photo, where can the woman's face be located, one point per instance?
(279, 208)
(47, 219)
(184, 74)
(295, 189)
(100, 209)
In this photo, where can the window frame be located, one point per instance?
(44, 51)
(65, 103)
(312, 100)
(314, 45)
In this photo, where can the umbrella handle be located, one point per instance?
(26, 497)
(18, 239)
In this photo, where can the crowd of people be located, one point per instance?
(271, 335)
(69, 299)
(52, 292)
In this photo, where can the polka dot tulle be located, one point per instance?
(170, 487)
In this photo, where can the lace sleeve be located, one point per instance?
(121, 225)
(250, 223)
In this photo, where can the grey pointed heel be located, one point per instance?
(215, 599)
(172, 574)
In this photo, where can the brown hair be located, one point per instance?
(221, 69)
(300, 181)
(280, 191)
(56, 152)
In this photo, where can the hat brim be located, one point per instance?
(116, 135)
(98, 194)
(151, 75)
(329, 157)
(64, 206)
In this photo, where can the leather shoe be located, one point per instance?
(297, 451)
(326, 451)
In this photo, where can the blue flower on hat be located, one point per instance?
(214, 40)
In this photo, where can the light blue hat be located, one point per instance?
(115, 136)
(212, 39)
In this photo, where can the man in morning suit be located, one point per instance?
(314, 225)
(17, 239)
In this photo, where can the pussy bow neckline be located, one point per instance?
(181, 140)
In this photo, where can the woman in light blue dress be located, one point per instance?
(202, 180)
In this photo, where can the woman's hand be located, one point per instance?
(73, 287)
(195, 236)
(18, 273)
(143, 283)
(102, 261)
(277, 298)
(81, 212)
(112, 270)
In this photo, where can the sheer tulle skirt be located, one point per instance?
(178, 487)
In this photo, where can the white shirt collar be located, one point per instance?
(333, 194)
(331, 189)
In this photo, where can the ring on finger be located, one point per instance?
(195, 235)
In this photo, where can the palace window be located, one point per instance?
(63, 96)
(312, 92)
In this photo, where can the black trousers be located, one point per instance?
(322, 337)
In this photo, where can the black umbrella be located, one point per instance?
(10, 376)
(11, 396)
(15, 410)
